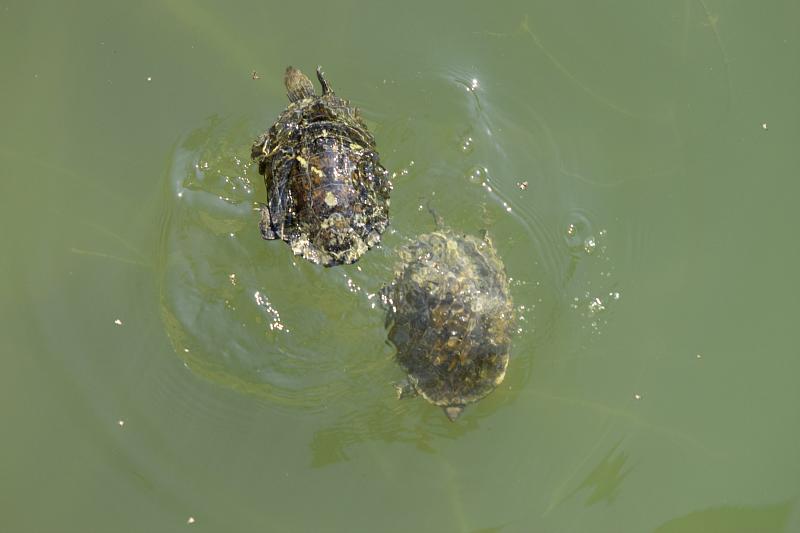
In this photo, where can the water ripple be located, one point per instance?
(245, 313)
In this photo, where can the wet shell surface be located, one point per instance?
(327, 193)
(449, 314)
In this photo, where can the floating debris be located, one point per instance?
(120, 423)
(254, 75)
(523, 185)
(118, 322)
(764, 126)
(637, 396)
(190, 520)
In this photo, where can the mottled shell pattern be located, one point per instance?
(450, 314)
(328, 195)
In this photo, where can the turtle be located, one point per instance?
(327, 192)
(449, 313)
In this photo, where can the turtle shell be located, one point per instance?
(328, 195)
(449, 314)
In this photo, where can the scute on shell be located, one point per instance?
(449, 314)
(327, 192)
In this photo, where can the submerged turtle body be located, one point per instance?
(449, 314)
(328, 195)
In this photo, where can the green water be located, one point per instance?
(653, 379)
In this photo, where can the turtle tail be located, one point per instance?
(298, 86)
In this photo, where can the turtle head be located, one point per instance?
(453, 411)
(298, 86)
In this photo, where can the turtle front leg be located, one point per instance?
(404, 389)
(259, 147)
(326, 87)
(265, 224)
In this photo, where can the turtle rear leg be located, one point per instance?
(298, 86)
(404, 389)
(265, 224)
(437, 219)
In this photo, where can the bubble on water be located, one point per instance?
(596, 306)
(591, 273)
(263, 302)
(402, 171)
(571, 230)
(225, 175)
(577, 230)
(466, 145)
(352, 286)
(476, 175)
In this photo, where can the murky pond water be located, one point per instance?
(166, 369)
